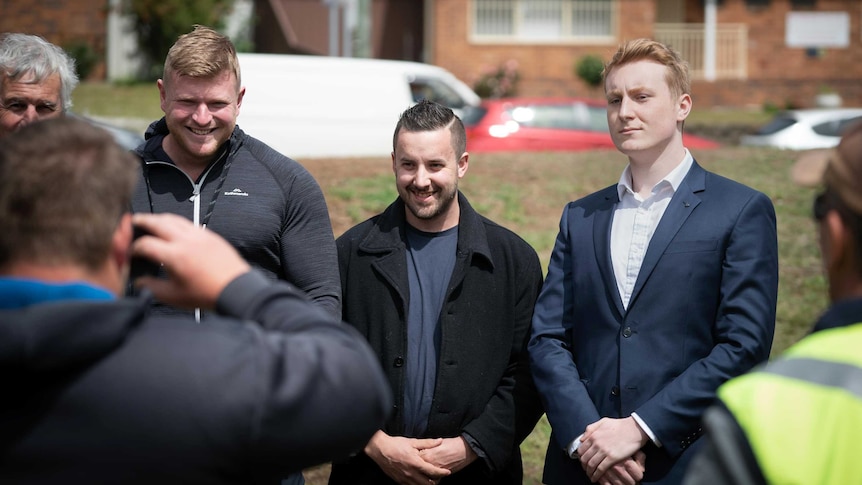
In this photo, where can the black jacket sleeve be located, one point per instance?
(321, 392)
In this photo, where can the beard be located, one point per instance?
(440, 203)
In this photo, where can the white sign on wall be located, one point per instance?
(817, 29)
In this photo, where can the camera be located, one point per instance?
(142, 266)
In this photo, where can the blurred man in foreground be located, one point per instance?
(98, 391)
(36, 81)
(798, 419)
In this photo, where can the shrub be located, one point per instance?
(158, 24)
(498, 82)
(589, 69)
(85, 57)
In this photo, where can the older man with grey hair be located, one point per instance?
(36, 81)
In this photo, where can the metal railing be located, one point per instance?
(731, 48)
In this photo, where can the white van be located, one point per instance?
(317, 106)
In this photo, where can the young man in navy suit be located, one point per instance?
(659, 289)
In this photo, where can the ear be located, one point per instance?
(239, 97)
(121, 243)
(393, 164)
(162, 95)
(463, 164)
(684, 107)
(834, 242)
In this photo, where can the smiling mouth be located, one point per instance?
(201, 132)
(423, 194)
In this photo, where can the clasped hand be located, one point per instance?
(610, 451)
(414, 461)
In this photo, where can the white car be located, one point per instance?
(804, 129)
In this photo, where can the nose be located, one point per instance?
(29, 115)
(420, 178)
(202, 115)
(625, 111)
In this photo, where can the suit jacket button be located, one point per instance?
(627, 332)
(615, 391)
(398, 362)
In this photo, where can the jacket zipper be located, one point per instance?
(195, 199)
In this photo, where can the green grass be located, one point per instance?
(139, 100)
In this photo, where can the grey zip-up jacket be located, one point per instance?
(265, 204)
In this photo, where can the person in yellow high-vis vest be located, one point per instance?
(798, 419)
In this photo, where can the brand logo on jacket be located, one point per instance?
(237, 192)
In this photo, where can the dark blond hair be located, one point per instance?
(203, 53)
(64, 184)
(677, 76)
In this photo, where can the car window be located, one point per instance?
(834, 127)
(472, 115)
(564, 116)
(437, 91)
(777, 124)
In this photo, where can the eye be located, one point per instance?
(46, 108)
(16, 106)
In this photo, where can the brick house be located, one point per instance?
(762, 52)
(68, 24)
(755, 65)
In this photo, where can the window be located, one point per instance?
(544, 20)
(567, 116)
(437, 91)
(777, 124)
(834, 127)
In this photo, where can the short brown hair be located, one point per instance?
(64, 185)
(677, 77)
(204, 53)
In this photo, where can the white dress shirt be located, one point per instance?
(635, 222)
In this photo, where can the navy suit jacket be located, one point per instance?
(702, 311)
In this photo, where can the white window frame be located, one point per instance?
(521, 35)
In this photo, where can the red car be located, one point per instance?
(545, 124)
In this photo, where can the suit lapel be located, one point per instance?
(680, 207)
(602, 243)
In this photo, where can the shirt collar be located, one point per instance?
(840, 314)
(20, 293)
(674, 178)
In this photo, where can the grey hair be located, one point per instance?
(30, 58)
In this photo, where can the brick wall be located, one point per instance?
(62, 22)
(777, 75)
(545, 69)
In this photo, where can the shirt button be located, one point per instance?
(627, 332)
(398, 362)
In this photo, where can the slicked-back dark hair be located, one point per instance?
(430, 116)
